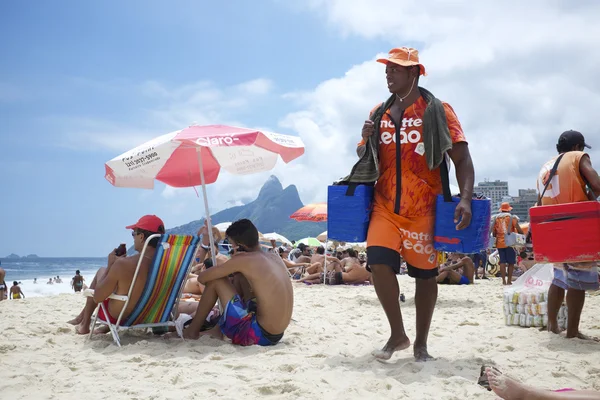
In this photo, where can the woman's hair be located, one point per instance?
(154, 242)
(243, 233)
(352, 253)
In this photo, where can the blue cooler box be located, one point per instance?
(474, 238)
(348, 212)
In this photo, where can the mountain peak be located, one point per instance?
(272, 187)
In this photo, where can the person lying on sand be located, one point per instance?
(511, 389)
(15, 291)
(352, 272)
(449, 273)
(258, 308)
(117, 276)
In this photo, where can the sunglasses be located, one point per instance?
(133, 233)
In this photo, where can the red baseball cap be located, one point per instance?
(149, 223)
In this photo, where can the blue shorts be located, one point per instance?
(508, 255)
(578, 279)
(239, 324)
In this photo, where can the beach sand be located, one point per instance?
(325, 352)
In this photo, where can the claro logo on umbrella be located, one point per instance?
(217, 141)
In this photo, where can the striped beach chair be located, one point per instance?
(157, 305)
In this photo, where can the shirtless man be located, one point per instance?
(263, 312)
(77, 282)
(450, 275)
(3, 287)
(15, 291)
(117, 276)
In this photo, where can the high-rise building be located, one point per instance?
(522, 203)
(495, 190)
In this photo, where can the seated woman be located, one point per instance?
(459, 270)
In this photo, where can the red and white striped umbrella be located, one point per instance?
(195, 155)
(174, 158)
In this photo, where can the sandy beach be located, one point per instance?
(324, 354)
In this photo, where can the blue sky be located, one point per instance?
(82, 82)
(72, 68)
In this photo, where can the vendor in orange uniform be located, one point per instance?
(402, 221)
(568, 185)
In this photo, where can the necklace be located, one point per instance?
(400, 99)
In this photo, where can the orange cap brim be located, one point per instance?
(403, 64)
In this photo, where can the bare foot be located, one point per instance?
(421, 353)
(102, 330)
(554, 328)
(83, 329)
(504, 386)
(187, 334)
(390, 347)
(76, 320)
(583, 337)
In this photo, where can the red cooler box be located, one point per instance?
(566, 232)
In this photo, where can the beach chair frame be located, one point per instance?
(116, 328)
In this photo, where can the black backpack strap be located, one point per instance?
(445, 175)
(552, 173)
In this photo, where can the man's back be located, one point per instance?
(272, 287)
(567, 185)
(504, 223)
(124, 273)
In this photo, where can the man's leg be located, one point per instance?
(85, 316)
(575, 301)
(425, 298)
(220, 289)
(556, 295)
(388, 292)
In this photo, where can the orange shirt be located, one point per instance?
(501, 228)
(419, 185)
(567, 185)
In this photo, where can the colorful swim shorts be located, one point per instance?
(239, 324)
(568, 276)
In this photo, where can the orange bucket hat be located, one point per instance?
(404, 56)
(505, 207)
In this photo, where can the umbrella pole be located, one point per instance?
(210, 234)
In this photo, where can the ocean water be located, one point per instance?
(25, 270)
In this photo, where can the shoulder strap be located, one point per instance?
(445, 175)
(552, 173)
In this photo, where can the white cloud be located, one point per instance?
(259, 86)
(517, 74)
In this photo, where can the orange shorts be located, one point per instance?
(391, 236)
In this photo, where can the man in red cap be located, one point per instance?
(575, 181)
(117, 276)
(414, 132)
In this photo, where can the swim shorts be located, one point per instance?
(102, 316)
(392, 236)
(573, 278)
(239, 324)
(508, 255)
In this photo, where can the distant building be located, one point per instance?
(495, 190)
(523, 202)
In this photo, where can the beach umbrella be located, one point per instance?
(310, 242)
(277, 237)
(195, 155)
(316, 212)
(322, 237)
